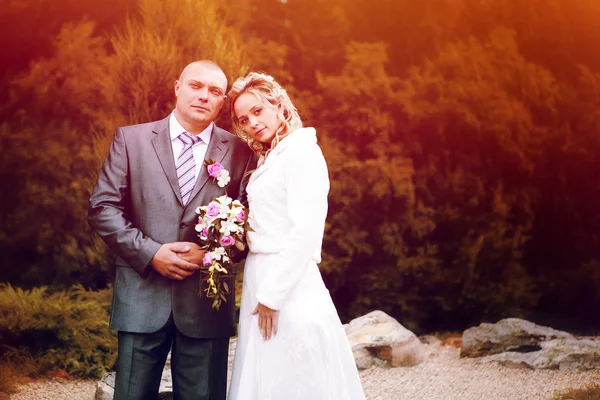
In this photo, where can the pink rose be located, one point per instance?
(205, 232)
(227, 241)
(215, 169)
(208, 259)
(213, 209)
(241, 216)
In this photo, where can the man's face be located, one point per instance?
(200, 95)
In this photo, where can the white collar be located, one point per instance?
(175, 129)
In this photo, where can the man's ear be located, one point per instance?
(176, 87)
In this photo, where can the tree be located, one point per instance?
(64, 112)
(477, 120)
(371, 202)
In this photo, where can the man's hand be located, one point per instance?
(168, 263)
(194, 255)
(267, 320)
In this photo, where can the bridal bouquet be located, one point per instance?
(221, 228)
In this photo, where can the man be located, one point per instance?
(143, 207)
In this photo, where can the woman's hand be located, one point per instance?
(170, 261)
(194, 255)
(267, 320)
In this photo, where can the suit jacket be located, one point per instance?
(136, 206)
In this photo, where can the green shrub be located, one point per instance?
(590, 392)
(64, 329)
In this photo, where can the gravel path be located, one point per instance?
(442, 376)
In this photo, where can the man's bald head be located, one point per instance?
(203, 64)
(200, 93)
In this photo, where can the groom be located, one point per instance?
(143, 208)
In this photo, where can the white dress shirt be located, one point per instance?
(198, 150)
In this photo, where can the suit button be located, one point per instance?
(182, 226)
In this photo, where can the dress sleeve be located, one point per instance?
(307, 186)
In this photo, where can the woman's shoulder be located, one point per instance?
(301, 140)
(307, 135)
(304, 151)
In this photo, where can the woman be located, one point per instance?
(291, 342)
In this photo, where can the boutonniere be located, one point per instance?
(217, 172)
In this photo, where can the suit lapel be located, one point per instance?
(217, 149)
(164, 150)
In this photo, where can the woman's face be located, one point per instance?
(255, 118)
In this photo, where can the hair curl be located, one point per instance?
(267, 90)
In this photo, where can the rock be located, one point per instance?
(517, 343)
(364, 358)
(562, 354)
(377, 337)
(511, 334)
(105, 389)
(407, 354)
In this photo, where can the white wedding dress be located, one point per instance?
(310, 357)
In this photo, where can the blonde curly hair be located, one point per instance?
(267, 90)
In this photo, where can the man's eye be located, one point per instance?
(216, 92)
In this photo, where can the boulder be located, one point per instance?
(518, 343)
(562, 354)
(377, 338)
(508, 335)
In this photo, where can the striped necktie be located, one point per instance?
(186, 166)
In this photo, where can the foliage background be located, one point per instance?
(462, 139)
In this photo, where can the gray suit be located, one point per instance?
(136, 206)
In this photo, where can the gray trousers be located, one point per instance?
(198, 366)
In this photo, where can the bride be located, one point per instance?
(291, 342)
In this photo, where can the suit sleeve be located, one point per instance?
(307, 186)
(107, 212)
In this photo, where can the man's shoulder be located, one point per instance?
(146, 128)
